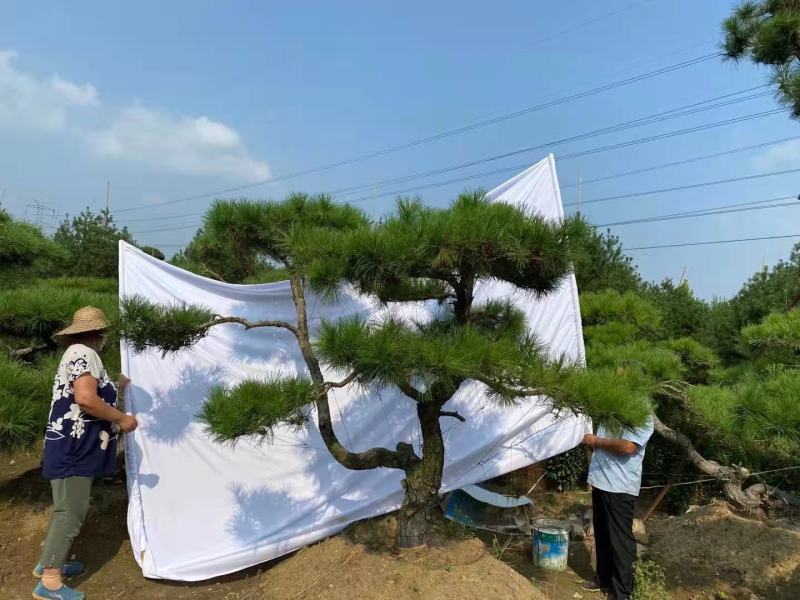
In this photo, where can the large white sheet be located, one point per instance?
(198, 509)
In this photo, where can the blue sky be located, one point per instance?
(168, 100)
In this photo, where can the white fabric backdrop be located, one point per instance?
(199, 510)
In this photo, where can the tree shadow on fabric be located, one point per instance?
(168, 413)
(277, 515)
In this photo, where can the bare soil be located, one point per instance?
(709, 553)
(359, 564)
(713, 549)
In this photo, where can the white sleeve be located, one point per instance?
(82, 360)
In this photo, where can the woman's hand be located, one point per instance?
(590, 440)
(122, 382)
(127, 423)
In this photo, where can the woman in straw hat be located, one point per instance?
(80, 444)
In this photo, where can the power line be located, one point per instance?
(684, 161)
(673, 113)
(711, 242)
(195, 226)
(558, 34)
(665, 115)
(448, 133)
(585, 181)
(688, 109)
(162, 218)
(690, 186)
(710, 212)
(577, 154)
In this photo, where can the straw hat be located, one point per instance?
(85, 320)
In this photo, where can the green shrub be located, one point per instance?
(649, 581)
(610, 305)
(40, 309)
(698, 360)
(25, 394)
(568, 469)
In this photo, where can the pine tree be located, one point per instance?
(768, 32)
(416, 254)
(746, 419)
(92, 241)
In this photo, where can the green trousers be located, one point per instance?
(70, 505)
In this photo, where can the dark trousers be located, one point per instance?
(614, 542)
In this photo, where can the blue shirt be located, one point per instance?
(77, 444)
(617, 473)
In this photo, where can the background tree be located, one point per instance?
(416, 254)
(768, 32)
(687, 315)
(207, 255)
(603, 265)
(91, 240)
(715, 420)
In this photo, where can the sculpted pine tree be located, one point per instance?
(417, 254)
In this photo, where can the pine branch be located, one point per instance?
(340, 384)
(219, 320)
(454, 414)
(403, 457)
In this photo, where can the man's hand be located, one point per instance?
(621, 447)
(128, 423)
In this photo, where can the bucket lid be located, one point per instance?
(550, 525)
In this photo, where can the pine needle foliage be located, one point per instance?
(778, 331)
(256, 408)
(421, 252)
(698, 361)
(618, 398)
(25, 392)
(611, 306)
(253, 241)
(756, 421)
(613, 332)
(37, 310)
(19, 421)
(167, 327)
(391, 352)
(768, 32)
(604, 266)
(659, 363)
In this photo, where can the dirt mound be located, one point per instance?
(361, 564)
(711, 544)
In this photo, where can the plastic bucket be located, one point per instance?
(550, 544)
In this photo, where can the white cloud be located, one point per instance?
(29, 103)
(780, 156)
(184, 145)
(79, 95)
(137, 134)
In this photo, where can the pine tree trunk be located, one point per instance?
(422, 481)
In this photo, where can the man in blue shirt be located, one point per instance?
(615, 475)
